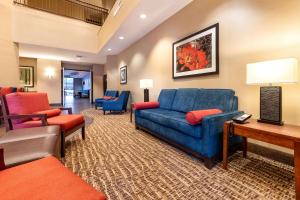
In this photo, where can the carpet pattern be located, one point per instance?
(125, 163)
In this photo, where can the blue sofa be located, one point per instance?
(108, 93)
(203, 140)
(117, 105)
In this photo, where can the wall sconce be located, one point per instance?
(49, 72)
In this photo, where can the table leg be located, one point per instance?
(297, 168)
(225, 145)
(245, 146)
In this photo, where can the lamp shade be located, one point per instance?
(273, 71)
(146, 83)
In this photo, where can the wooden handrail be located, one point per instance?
(75, 9)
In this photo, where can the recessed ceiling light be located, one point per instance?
(143, 16)
(121, 38)
(109, 49)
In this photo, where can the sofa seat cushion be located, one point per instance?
(45, 179)
(66, 122)
(171, 119)
(49, 113)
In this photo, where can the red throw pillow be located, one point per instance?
(196, 116)
(5, 90)
(107, 97)
(2, 164)
(49, 113)
(145, 105)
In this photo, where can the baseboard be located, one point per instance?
(273, 154)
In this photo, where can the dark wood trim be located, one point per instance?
(62, 86)
(92, 87)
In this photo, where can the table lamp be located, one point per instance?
(269, 72)
(146, 84)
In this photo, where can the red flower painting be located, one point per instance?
(190, 58)
(197, 54)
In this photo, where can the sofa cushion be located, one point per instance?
(5, 90)
(49, 113)
(166, 98)
(146, 105)
(66, 122)
(45, 179)
(184, 99)
(171, 119)
(214, 98)
(196, 116)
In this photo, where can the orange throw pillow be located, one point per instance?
(196, 116)
(107, 97)
(49, 113)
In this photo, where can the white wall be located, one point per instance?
(35, 27)
(9, 61)
(52, 85)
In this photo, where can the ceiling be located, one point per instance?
(133, 28)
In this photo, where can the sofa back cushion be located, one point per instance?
(184, 99)
(27, 103)
(166, 98)
(214, 99)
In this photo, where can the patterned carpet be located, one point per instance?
(128, 164)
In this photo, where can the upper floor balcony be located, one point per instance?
(75, 9)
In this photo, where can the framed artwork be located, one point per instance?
(27, 76)
(197, 54)
(123, 75)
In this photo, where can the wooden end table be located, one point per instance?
(286, 136)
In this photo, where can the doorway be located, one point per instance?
(77, 88)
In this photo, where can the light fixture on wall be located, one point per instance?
(269, 72)
(146, 84)
(49, 72)
(143, 16)
(121, 37)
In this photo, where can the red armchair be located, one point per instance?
(45, 179)
(25, 110)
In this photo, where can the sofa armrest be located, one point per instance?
(24, 145)
(213, 124)
(43, 117)
(69, 109)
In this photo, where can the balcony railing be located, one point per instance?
(75, 9)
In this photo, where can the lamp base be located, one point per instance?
(271, 105)
(270, 122)
(146, 95)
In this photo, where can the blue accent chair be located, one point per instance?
(203, 140)
(108, 93)
(118, 105)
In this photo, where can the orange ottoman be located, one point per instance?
(45, 179)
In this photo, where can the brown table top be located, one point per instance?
(288, 131)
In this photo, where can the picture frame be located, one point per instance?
(26, 76)
(197, 54)
(123, 75)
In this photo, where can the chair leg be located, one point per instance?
(103, 112)
(83, 132)
(62, 147)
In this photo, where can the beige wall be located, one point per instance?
(50, 85)
(250, 31)
(98, 71)
(31, 62)
(9, 61)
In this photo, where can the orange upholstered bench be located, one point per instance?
(45, 179)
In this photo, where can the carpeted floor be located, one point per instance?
(128, 164)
